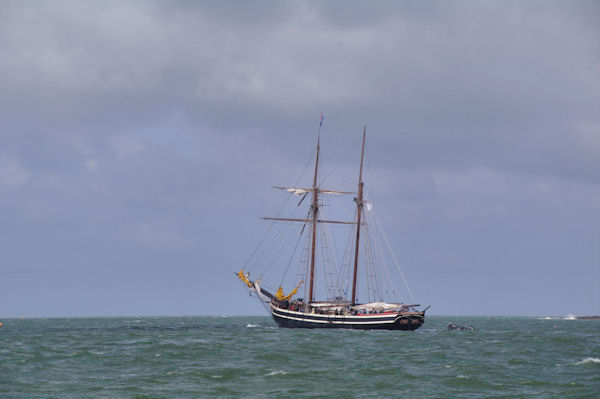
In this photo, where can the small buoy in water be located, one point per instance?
(0, 324)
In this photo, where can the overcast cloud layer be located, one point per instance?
(139, 142)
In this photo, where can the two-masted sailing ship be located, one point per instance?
(341, 307)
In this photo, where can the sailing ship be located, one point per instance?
(339, 309)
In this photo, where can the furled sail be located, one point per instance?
(282, 297)
(294, 190)
(378, 305)
(244, 278)
(300, 191)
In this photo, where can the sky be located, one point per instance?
(139, 142)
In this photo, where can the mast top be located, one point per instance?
(362, 154)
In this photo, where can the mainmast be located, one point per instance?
(315, 210)
(359, 206)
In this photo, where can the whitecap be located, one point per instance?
(252, 325)
(276, 372)
(589, 360)
(216, 376)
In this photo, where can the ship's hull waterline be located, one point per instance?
(384, 321)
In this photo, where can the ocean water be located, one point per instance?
(249, 357)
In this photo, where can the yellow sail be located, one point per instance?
(244, 278)
(282, 297)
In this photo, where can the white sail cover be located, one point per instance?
(329, 304)
(378, 305)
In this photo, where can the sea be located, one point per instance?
(249, 357)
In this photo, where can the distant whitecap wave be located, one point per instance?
(589, 360)
(276, 372)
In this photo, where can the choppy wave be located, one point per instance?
(276, 372)
(589, 360)
(240, 356)
(249, 325)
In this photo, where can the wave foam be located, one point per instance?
(276, 372)
(589, 360)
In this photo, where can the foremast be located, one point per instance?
(313, 217)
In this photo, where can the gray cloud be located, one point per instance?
(131, 133)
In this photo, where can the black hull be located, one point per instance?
(384, 321)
